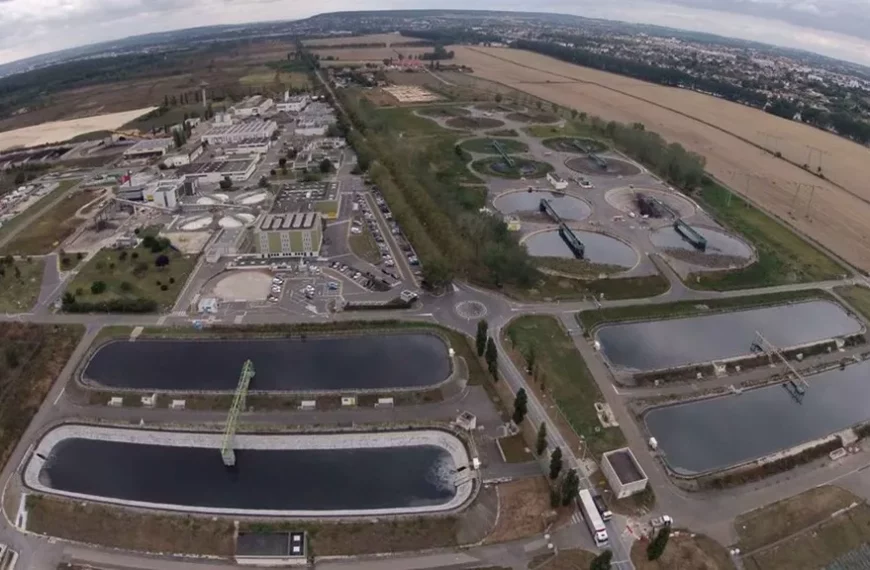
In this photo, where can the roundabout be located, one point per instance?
(471, 310)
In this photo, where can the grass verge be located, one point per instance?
(19, 284)
(117, 528)
(361, 538)
(33, 357)
(817, 547)
(593, 318)
(523, 505)
(43, 229)
(697, 552)
(557, 288)
(858, 296)
(514, 449)
(364, 246)
(762, 527)
(783, 256)
(562, 372)
(132, 274)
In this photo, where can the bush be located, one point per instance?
(126, 287)
(122, 256)
(161, 261)
(171, 280)
(134, 255)
(98, 287)
(114, 306)
(164, 287)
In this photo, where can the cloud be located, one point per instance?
(838, 28)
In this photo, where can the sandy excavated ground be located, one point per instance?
(58, 131)
(839, 219)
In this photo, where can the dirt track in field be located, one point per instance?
(725, 133)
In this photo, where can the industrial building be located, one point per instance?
(253, 106)
(311, 127)
(293, 104)
(217, 170)
(289, 235)
(149, 148)
(623, 472)
(225, 134)
(185, 155)
(252, 146)
(164, 193)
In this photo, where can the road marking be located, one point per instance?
(56, 400)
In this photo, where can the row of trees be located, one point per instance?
(840, 121)
(438, 212)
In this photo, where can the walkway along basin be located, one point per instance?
(600, 248)
(342, 474)
(343, 363)
(716, 433)
(656, 345)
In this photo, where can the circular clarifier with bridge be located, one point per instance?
(195, 223)
(576, 145)
(597, 248)
(632, 200)
(597, 165)
(528, 202)
(512, 167)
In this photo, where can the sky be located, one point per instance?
(837, 28)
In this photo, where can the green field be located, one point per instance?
(783, 256)
(857, 296)
(30, 212)
(137, 269)
(592, 318)
(44, 233)
(567, 378)
(443, 111)
(260, 76)
(486, 146)
(19, 285)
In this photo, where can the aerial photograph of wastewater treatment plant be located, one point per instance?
(434, 288)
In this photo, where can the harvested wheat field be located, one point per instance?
(725, 133)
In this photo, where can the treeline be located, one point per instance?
(447, 36)
(645, 72)
(71, 305)
(438, 53)
(672, 162)
(437, 213)
(839, 121)
(22, 89)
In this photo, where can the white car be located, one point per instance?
(661, 521)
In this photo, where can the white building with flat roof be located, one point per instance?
(185, 155)
(149, 148)
(240, 132)
(216, 170)
(253, 106)
(623, 472)
(293, 104)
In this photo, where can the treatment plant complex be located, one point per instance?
(253, 346)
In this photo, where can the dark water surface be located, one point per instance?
(599, 247)
(310, 479)
(568, 207)
(321, 364)
(653, 345)
(718, 242)
(711, 434)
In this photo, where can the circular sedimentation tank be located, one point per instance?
(220, 197)
(723, 249)
(608, 167)
(576, 145)
(206, 201)
(599, 248)
(484, 145)
(195, 223)
(522, 167)
(228, 222)
(474, 123)
(247, 218)
(625, 200)
(523, 201)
